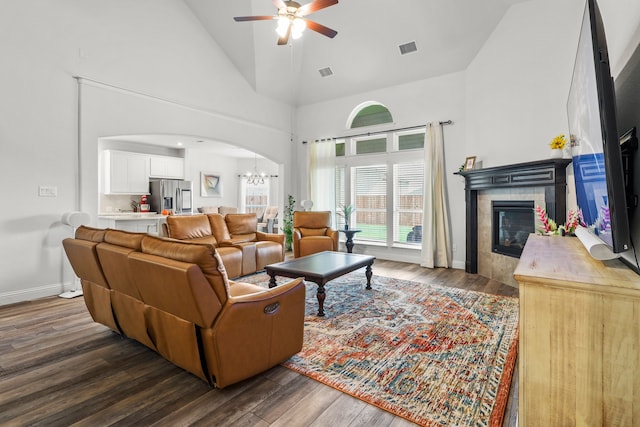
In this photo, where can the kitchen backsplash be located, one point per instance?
(117, 203)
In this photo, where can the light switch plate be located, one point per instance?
(47, 191)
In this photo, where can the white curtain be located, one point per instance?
(436, 239)
(322, 156)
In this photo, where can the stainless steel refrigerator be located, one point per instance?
(171, 195)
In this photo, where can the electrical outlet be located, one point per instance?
(47, 191)
(455, 247)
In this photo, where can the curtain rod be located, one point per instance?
(445, 122)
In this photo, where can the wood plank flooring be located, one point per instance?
(59, 368)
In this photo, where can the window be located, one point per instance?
(410, 141)
(408, 181)
(370, 196)
(367, 146)
(254, 198)
(382, 175)
(372, 114)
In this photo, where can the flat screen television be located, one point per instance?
(594, 140)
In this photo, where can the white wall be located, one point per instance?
(517, 85)
(170, 78)
(227, 167)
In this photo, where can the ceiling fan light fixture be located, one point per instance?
(297, 27)
(283, 25)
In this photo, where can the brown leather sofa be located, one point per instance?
(175, 298)
(312, 233)
(197, 229)
(243, 249)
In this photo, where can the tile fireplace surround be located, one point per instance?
(543, 181)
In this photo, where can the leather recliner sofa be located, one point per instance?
(244, 249)
(175, 298)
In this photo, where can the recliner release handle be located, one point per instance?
(271, 308)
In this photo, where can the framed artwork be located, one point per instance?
(210, 185)
(469, 163)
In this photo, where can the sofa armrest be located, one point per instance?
(295, 242)
(267, 294)
(278, 238)
(334, 236)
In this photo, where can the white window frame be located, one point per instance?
(391, 157)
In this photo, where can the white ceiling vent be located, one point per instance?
(408, 48)
(325, 72)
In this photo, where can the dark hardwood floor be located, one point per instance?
(59, 368)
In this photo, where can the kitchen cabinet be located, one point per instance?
(166, 167)
(125, 172)
(145, 223)
(579, 337)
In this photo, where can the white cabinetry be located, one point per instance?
(139, 225)
(126, 173)
(166, 167)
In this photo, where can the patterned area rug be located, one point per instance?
(433, 355)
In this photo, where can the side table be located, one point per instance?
(349, 235)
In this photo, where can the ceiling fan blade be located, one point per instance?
(319, 28)
(279, 4)
(285, 39)
(253, 18)
(315, 5)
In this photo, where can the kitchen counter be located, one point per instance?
(127, 216)
(141, 222)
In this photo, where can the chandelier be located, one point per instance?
(254, 177)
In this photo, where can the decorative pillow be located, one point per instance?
(313, 231)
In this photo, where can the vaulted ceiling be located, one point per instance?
(363, 56)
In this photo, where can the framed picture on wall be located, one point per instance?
(469, 163)
(210, 184)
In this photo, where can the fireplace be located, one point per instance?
(543, 181)
(512, 222)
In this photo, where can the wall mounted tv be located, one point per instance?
(595, 147)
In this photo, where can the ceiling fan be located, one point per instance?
(291, 20)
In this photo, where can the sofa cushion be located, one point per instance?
(313, 231)
(311, 219)
(91, 234)
(218, 227)
(127, 239)
(188, 227)
(241, 223)
(203, 255)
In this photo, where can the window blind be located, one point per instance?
(370, 194)
(408, 202)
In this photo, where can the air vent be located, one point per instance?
(408, 48)
(325, 72)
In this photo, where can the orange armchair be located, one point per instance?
(312, 233)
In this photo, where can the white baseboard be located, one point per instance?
(458, 265)
(30, 294)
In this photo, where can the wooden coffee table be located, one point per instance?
(320, 268)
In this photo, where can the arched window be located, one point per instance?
(381, 173)
(369, 114)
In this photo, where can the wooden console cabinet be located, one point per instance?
(579, 348)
